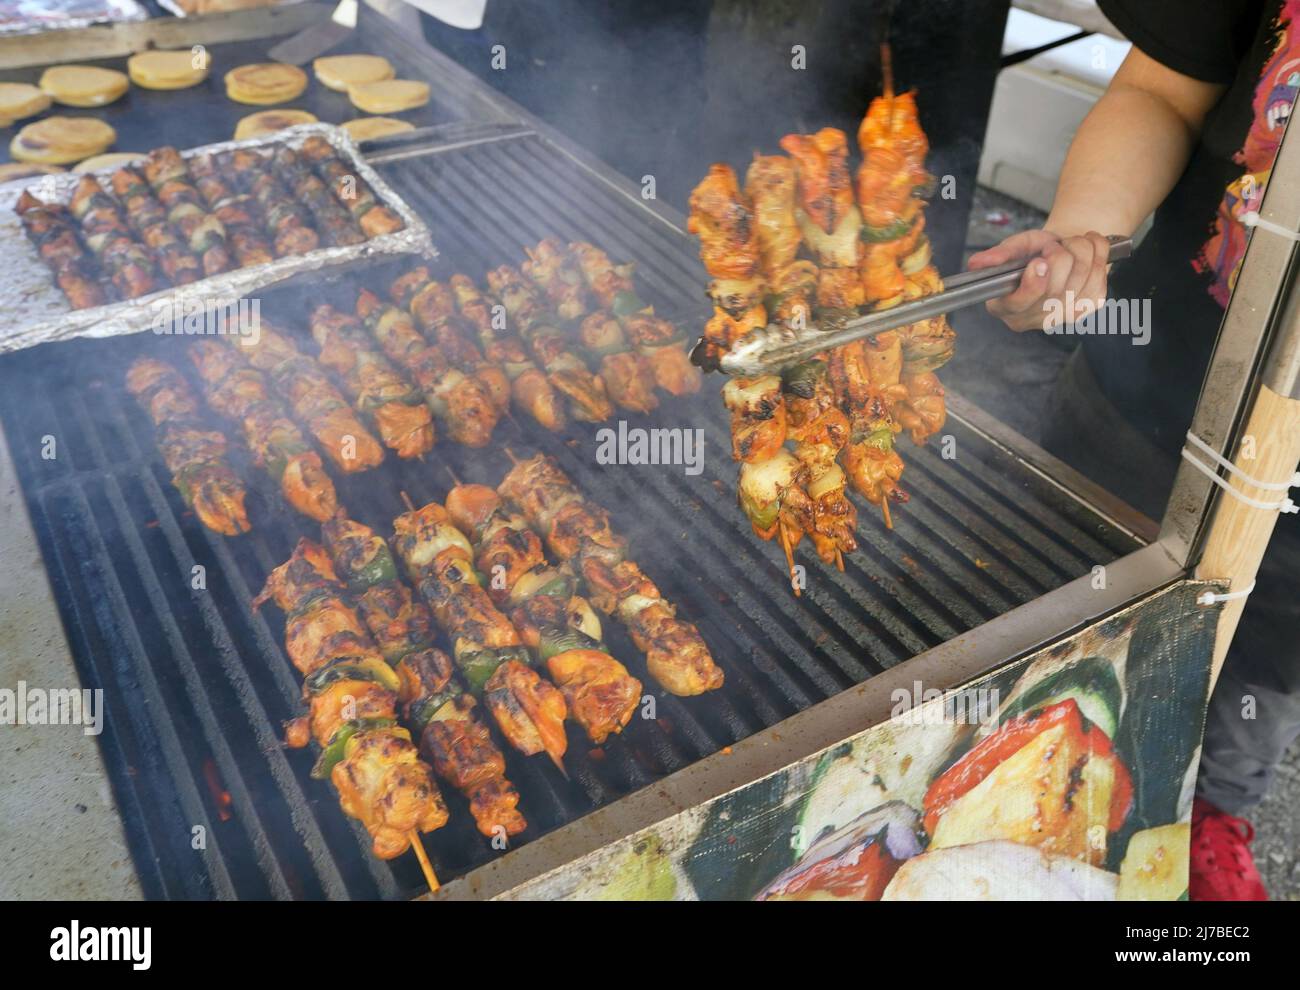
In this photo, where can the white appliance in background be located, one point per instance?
(1038, 104)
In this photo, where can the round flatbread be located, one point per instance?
(19, 100)
(364, 129)
(114, 159)
(268, 121)
(169, 70)
(265, 82)
(83, 85)
(11, 171)
(61, 140)
(341, 71)
(389, 95)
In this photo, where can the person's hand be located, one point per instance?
(1066, 280)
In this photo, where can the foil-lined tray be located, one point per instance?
(18, 17)
(33, 310)
(176, 10)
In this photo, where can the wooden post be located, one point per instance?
(1239, 533)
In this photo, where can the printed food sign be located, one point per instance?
(1066, 775)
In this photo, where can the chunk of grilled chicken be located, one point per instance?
(560, 276)
(461, 403)
(50, 227)
(306, 575)
(457, 743)
(322, 631)
(439, 560)
(826, 212)
(382, 781)
(433, 305)
(676, 655)
(892, 122)
(529, 388)
(241, 393)
(567, 373)
(196, 457)
(770, 187)
(315, 402)
(606, 280)
(601, 694)
(661, 346)
(725, 224)
(396, 408)
(924, 411)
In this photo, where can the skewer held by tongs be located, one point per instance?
(774, 347)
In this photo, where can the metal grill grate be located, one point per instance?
(196, 686)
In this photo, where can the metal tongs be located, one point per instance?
(774, 347)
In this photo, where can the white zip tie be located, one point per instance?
(1223, 462)
(1253, 219)
(1285, 506)
(1210, 598)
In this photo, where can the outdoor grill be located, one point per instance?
(197, 685)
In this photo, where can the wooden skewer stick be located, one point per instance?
(884, 506)
(454, 480)
(426, 867)
(406, 500)
(511, 454)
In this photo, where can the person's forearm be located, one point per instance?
(1125, 158)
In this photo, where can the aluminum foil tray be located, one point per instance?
(18, 17)
(33, 310)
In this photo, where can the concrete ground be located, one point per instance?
(1011, 376)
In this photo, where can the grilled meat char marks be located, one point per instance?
(600, 693)
(195, 456)
(352, 697)
(378, 391)
(487, 649)
(435, 705)
(315, 402)
(579, 531)
(799, 452)
(242, 394)
(50, 227)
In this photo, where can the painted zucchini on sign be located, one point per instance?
(1065, 775)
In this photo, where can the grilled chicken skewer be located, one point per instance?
(433, 306)
(352, 695)
(350, 189)
(656, 341)
(335, 223)
(392, 404)
(556, 624)
(578, 531)
(175, 189)
(460, 402)
(286, 221)
(627, 376)
(435, 705)
(315, 402)
(149, 219)
(237, 212)
(487, 649)
(51, 229)
(196, 457)
(530, 389)
(128, 263)
(567, 373)
(242, 394)
(774, 486)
